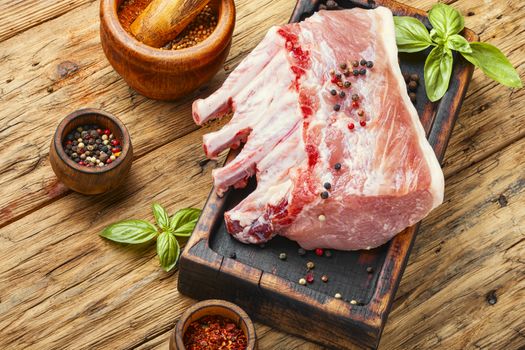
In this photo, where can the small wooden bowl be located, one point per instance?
(213, 307)
(80, 178)
(165, 74)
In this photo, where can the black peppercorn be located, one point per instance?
(412, 86)
(337, 166)
(412, 96)
(369, 64)
(362, 71)
(342, 94)
(355, 71)
(347, 84)
(406, 76)
(355, 63)
(363, 62)
(414, 77)
(338, 76)
(342, 66)
(233, 255)
(355, 97)
(333, 92)
(337, 107)
(346, 73)
(327, 185)
(324, 195)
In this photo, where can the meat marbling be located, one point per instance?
(284, 112)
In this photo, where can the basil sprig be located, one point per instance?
(447, 22)
(166, 231)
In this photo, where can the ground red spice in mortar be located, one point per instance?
(214, 333)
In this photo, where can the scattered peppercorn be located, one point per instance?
(342, 66)
(282, 256)
(310, 277)
(363, 62)
(492, 299)
(310, 265)
(337, 166)
(412, 96)
(324, 195)
(353, 302)
(302, 281)
(331, 5)
(406, 76)
(346, 73)
(362, 123)
(324, 278)
(369, 269)
(333, 92)
(327, 185)
(351, 126)
(301, 251)
(414, 77)
(338, 76)
(360, 112)
(362, 71)
(332, 72)
(369, 64)
(342, 94)
(322, 217)
(319, 252)
(355, 97)
(338, 296)
(355, 72)
(347, 84)
(328, 253)
(337, 107)
(412, 86)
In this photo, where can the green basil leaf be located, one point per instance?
(446, 20)
(168, 250)
(411, 34)
(130, 231)
(184, 221)
(493, 63)
(438, 69)
(161, 216)
(458, 43)
(434, 36)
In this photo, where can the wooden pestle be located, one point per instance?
(163, 20)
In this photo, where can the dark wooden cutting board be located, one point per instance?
(214, 265)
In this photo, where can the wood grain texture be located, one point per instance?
(94, 294)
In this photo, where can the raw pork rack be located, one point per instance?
(341, 159)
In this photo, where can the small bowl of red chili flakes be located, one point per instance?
(214, 324)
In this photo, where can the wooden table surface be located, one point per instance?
(62, 286)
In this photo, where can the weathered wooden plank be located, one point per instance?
(17, 16)
(470, 246)
(36, 92)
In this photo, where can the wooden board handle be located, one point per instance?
(163, 20)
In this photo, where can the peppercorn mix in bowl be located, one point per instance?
(91, 151)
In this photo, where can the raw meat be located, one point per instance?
(285, 112)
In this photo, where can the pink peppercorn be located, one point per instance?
(319, 252)
(310, 277)
(362, 122)
(351, 126)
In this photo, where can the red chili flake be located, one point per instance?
(319, 252)
(309, 277)
(362, 122)
(351, 126)
(214, 332)
(334, 80)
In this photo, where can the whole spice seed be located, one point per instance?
(328, 253)
(342, 94)
(310, 265)
(360, 112)
(337, 107)
(369, 269)
(302, 281)
(324, 278)
(412, 86)
(282, 256)
(338, 296)
(327, 185)
(338, 76)
(355, 72)
(233, 255)
(346, 73)
(355, 97)
(351, 126)
(343, 66)
(322, 217)
(347, 84)
(413, 96)
(353, 302)
(333, 92)
(319, 252)
(362, 71)
(362, 123)
(337, 166)
(363, 62)
(355, 63)
(369, 64)
(324, 195)
(414, 77)
(212, 332)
